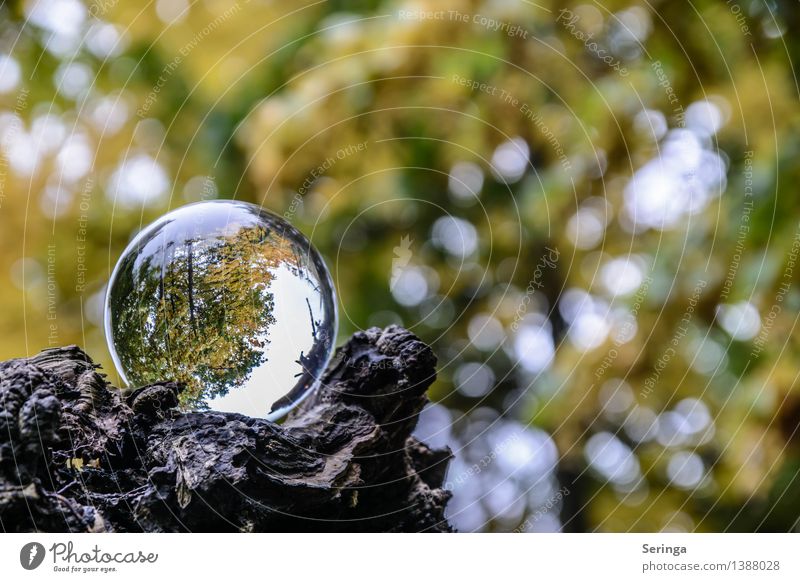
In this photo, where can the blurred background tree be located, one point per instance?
(585, 209)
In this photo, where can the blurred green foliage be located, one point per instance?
(531, 138)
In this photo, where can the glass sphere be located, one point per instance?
(228, 299)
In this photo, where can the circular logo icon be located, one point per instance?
(31, 555)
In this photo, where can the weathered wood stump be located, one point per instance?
(77, 455)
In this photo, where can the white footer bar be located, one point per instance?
(409, 557)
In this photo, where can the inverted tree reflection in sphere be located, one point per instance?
(228, 299)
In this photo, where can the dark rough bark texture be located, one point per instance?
(76, 455)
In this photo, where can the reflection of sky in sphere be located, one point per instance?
(293, 336)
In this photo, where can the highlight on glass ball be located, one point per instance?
(228, 299)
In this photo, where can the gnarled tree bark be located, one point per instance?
(77, 455)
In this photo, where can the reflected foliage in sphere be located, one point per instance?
(228, 299)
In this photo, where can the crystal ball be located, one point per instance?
(228, 299)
